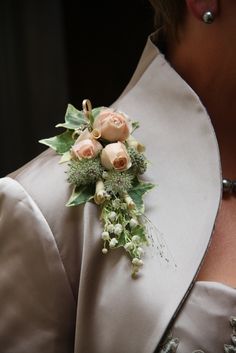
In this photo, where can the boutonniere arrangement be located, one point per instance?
(105, 163)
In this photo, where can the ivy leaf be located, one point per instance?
(93, 115)
(73, 118)
(141, 232)
(137, 192)
(60, 143)
(66, 157)
(96, 111)
(81, 195)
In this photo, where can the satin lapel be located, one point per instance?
(183, 151)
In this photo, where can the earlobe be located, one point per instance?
(203, 10)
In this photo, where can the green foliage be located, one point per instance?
(118, 182)
(135, 125)
(74, 119)
(81, 195)
(84, 171)
(137, 192)
(139, 161)
(96, 111)
(66, 157)
(60, 143)
(140, 230)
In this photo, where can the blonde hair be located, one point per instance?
(168, 15)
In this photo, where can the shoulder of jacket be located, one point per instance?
(45, 180)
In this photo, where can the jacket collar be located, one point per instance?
(185, 164)
(125, 315)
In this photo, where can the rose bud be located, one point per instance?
(132, 142)
(113, 126)
(100, 193)
(115, 156)
(86, 149)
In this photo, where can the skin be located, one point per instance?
(205, 56)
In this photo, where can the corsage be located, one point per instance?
(105, 163)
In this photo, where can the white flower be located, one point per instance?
(140, 251)
(133, 223)
(136, 239)
(110, 228)
(104, 251)
(137, 262)
(118, 229)
(140, 263)
(105, 236)
(113, 242)
(129, 246)
(112, 216)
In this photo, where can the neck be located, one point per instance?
(211, 73)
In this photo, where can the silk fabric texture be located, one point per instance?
(58, 292)
(203, 323)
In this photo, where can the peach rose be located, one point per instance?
(115, 156)
(112, 125)
(86, 148)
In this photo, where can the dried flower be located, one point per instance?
(85, 171)
(116, 183)
(138, 160)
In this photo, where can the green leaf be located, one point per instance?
(140, 231)
(81, 195)
(96, 111)
(66, 157)
(137, 192)
(60, 143)
(135, 125)
(73, 118)
(92, 116)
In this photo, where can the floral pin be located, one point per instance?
(105, 163)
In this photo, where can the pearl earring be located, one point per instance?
(208, 17)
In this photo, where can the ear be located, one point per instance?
(199, 7)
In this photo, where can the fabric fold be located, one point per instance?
(37, 305)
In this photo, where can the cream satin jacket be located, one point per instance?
(58, 292)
